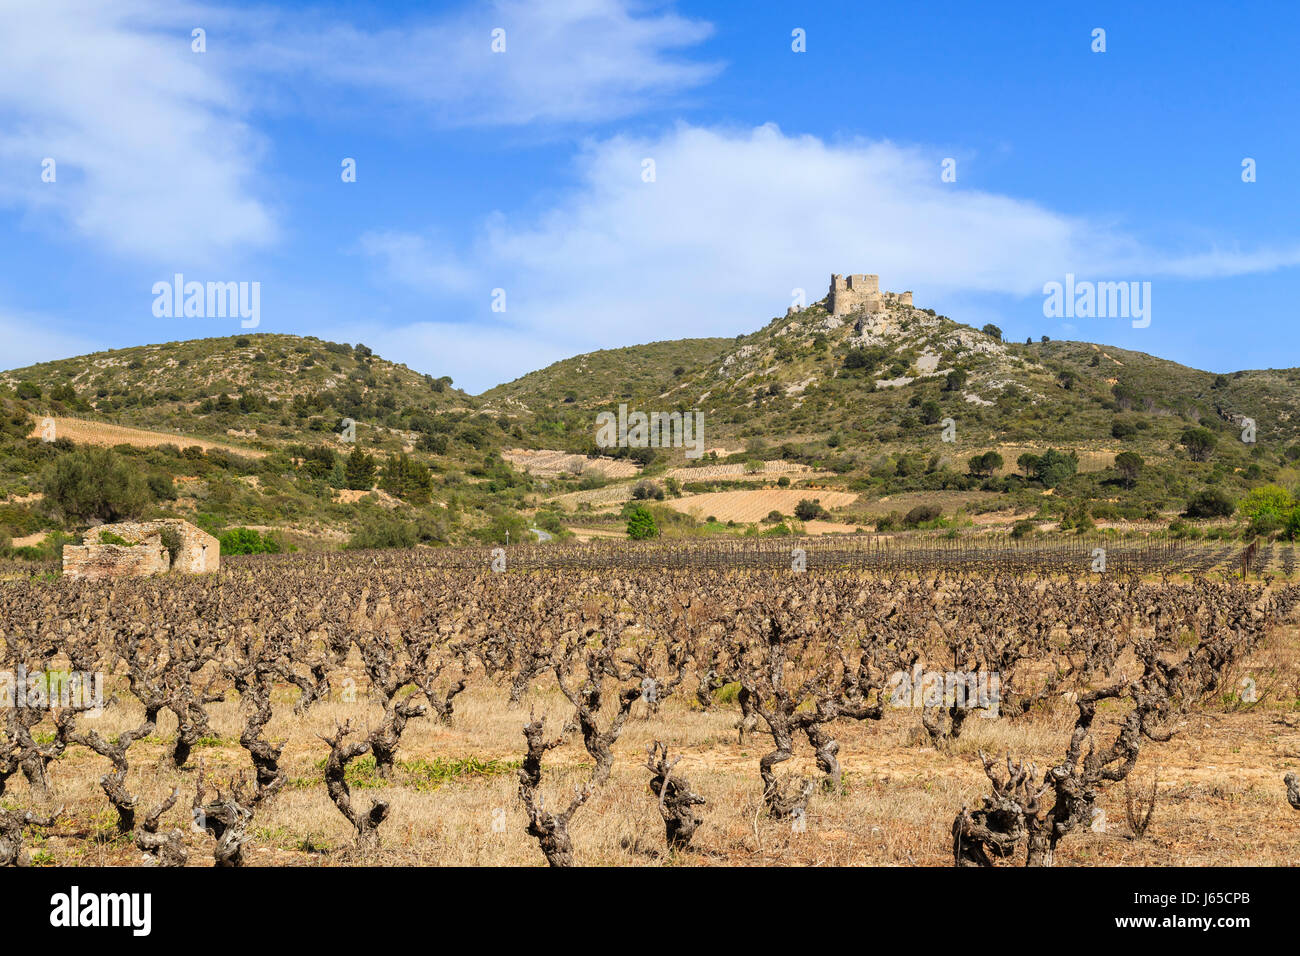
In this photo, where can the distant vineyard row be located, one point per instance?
(1084, 554)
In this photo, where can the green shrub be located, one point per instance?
(1210, 503)
(1265, 525)
(383, 530)
(505, 527)
(922, 514)
(1077, 518)
(94, 483)
(646, 489)
(171, 540)
(161, 487)
(248, 541)
(984, 464)
(1266, 501)
(1054, 467)
(807, 510)
(641, 524)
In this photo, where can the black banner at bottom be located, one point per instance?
(143, 907)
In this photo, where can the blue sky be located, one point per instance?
(523, 170)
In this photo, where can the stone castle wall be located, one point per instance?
(861, 293)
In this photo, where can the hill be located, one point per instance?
(257, 430)
(597, 377)
(869, 409)
(898, 400)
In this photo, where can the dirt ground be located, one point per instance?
(1220, 800)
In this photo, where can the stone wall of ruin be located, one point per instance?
(96, 561)
(861, 293)
(199, 552)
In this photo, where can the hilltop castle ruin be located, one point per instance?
(858, 293)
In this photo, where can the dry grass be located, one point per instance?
(1221, 800)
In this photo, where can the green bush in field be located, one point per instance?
(248, 541)
(95, 483)
(384, 530)
(1266, 501)
(641, 524)
(1053, 467)
(1210, 503)
(922, 514)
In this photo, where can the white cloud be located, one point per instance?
(418, 261)
(736, 220)
(157, 160)
(153, 157)
(564, 60)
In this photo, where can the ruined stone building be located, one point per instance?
(858, 292)
(145, 550)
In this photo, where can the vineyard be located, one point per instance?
(880, 704)
(879, 553)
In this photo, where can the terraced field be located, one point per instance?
(775, 466)
(85, 432)
(548, 463)
(746, 506)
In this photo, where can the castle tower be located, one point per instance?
(864, 284)
(856, 293)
